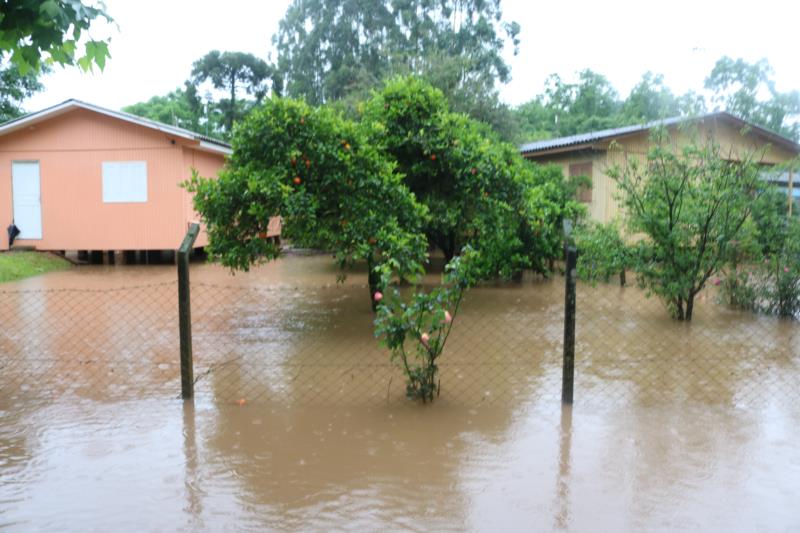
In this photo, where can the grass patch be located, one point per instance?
(19, 265)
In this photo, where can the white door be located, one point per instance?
(27, 199)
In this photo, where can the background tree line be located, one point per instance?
(337, 51)
(745, 89)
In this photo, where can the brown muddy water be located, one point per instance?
(299, 423)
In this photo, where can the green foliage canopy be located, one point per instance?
(331, 51)
(36, 32)
(689, 205)
(738, 86)
(14, 88)
(591, 103)
(472, 184)
(333, 188)
(602, 252)
(232, 72)
(183, 108)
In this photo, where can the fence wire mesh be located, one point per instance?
(313, 345)
(316, 346)
(118, 343)
(629, 349)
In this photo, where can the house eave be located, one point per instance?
(204, 143)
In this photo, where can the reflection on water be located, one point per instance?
(562, 505)
(167, 465)
(675, 426)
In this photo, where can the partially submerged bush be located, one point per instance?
(416, 330)
(602, 253)
(771, 285)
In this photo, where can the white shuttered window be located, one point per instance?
(124, 181)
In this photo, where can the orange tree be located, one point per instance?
(320, 173)
(479, 191)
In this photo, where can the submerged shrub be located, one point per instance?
(602, 253)
(416, 330)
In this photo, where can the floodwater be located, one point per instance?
(300, 424)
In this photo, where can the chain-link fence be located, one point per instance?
(313, 345)
(118, 343)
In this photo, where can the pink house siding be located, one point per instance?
(71, 148)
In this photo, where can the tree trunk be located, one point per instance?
(233, 102)
(622, 280)
(689, 307)
(678, 302)
(448, 246)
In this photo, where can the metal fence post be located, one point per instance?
(568, 377)
(185, 312)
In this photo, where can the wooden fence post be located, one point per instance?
(568, 377)
(185, 312)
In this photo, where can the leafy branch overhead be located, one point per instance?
(334, 190)
(36, 33)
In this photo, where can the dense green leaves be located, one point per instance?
(334, 190)
(591, 103)
(740, 87)
(690, 206)
(36, 33)
(473, 185)
(183, 108)
(233, 72)
(603, 253)
(336, 51)
(765, 276)
(14, 88)
(549, 199)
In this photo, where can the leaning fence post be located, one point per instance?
(568, 378)
(185, 312)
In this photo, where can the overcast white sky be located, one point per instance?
(157, 41)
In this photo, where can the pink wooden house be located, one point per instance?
(76, 176)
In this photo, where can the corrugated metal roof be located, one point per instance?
(586, 138)
(206, 142)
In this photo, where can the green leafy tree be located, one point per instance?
(534, 120)
(14, 89)
(649, 100)
(738, 87)
(766, 274)
(588, 105)
(602, 252)
(181, 108)
(689, 206)
(471, 183)
(320, 173)
(36, 33)
(233, 72)
(549, 199)
(338, 50)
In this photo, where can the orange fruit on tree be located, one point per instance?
(297, 180)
